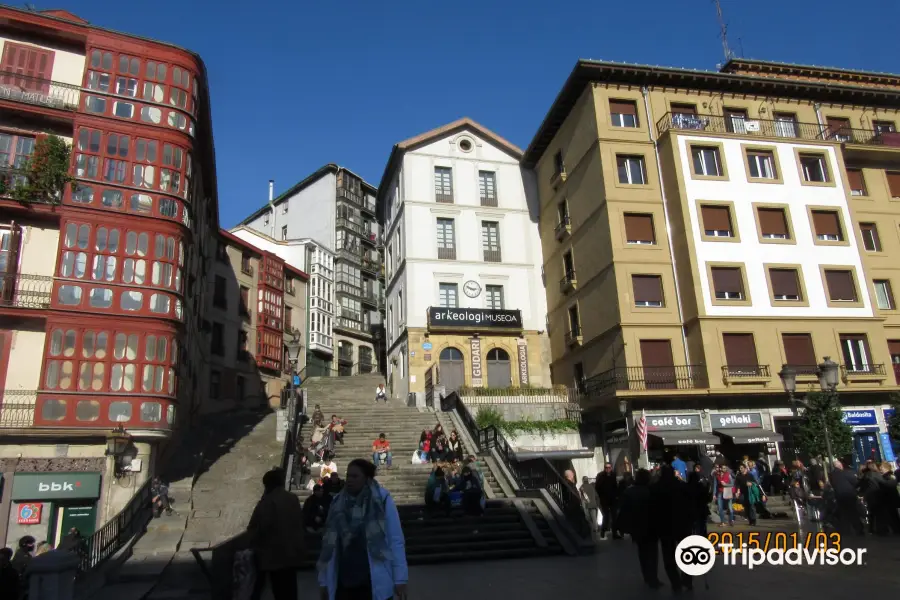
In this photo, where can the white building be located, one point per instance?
(318, 262)
(460, 226)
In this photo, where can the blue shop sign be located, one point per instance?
(889, 414)
(887, 449)
(860, 417)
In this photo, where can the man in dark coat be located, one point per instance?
(843, 483)
(634, 519)
(607, 493)
(672, 516)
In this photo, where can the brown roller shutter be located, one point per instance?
(894, 183)
(622, 107)
(840, 285)
(855, 179)
(798, 349)
(784, 282)
(684, 109)
(740, 350)
(826, 222)
(838, 126)
(716, 218)
(647, 288)
(727, 279)
(894, 348)
(659, 369)
(772, 221)
(639, 228)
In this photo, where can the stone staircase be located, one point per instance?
(510, 528)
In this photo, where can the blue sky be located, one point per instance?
(296, 85)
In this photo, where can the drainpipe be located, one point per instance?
(662, 190)
(817, 108)
(272, 207)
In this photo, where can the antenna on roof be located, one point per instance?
(723, 28)
(30, 7)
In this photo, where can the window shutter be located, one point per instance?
(639, 228)
(826, 223)
(855, 179)
(716, 217)
(798, 349)
(727, 279)
(34, 63)
(622, 107)
(15, 243)
(772, 221)
(894, 183)
(894, 349)
(647, 288)
(840, 285)
(740, 350)
(785, 282)
(836, 125)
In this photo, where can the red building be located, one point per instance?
(103, 279)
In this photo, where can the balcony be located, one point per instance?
(447, 253)
(15, 87)
(853, 373)
(746, 374)
(247, 269)
(372, 239)
(897, 373)
(762, 128)
(568, 283)
(352, 255)
(16, 415)
(574, 337)
(342, 287)
(19, 290)
(643, 379)
(492, 256)
(356, 228)
(489, 200)
(563, 228)
(443, 198)
(868, 137)
(369, 297)
(370, 264)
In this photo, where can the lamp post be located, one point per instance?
(789, 381)
(294, 347)
(116, 445)
(623, 408)
(827, 372)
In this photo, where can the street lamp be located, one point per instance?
(294, 347)
(117, 444)
(828, 381)
(623, 408)
(789, 380)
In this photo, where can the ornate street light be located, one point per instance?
(623, 407)
(828, 375)
(789, 380)
(294, 346)
(117, 445)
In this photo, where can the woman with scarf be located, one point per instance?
(363, 551)
(454, 447)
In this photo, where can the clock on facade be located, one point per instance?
(472, 289)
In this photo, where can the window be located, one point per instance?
(284, 233)
(623, 113)
(487, 188)
(735, 120)
(266, 219)
(761, 164)
(728, 283)
(871, 241)
(814, 168)
(799, 352)
(574, 322)
(785, 285)
(631, 170)
(647, 290)
(639, 229)
(884, 127)
(857, 182)
(569, 266)
(827, 224)
(883, 295)
(15, 150)
(490, 241)
(559, 167)
(447, 295)
(716, 221)
(841, 287)
(493, 295)
(243, 307)
(446, 239)
(855, 350)
(893, 179)
(443, 184)
(839, 129)
(773, 224)
(562, 212)
(26, 67)
(284, 207)
(214, 384)
(785, 124)
(220, 290)
(740, 354)
(707, 162)
(218, 340)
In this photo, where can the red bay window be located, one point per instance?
(270, 312)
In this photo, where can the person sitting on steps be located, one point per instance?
(337, 428)
(315, 509)
(437, 491)
(454, 447)
(318, 417)
(381, 451)
(381, 393)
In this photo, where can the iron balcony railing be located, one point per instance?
(110, 538)
(640, 379)
(868, 137)
(563, 226)
(39, 92)
(447, 253)
(356, 228)
(567, 281)
(346, 288)
(862, 370)
(751, 127)
(350, 254)
(20, 290)
(492, 256)
(739, 371)
(345, 356)
(370, 264)
(489, 200)
(573, 336)
(805, 370)
(443, 198)
(369, 297)
(16, 415)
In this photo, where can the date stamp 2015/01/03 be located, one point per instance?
(741, 541)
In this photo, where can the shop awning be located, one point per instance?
(751, 435)
(690, 437)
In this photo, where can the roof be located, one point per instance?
(259, 251)
(62, 13)
(439, 132)
(306, 182)
(590, 71)
(737, 64)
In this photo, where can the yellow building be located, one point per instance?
(708, 228)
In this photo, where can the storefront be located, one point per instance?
(668, 435)
(743, 434)
(867, 442)
(615, 443)
(47, 505)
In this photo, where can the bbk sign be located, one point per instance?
(735, 420)
(55, 486)
(672, 422)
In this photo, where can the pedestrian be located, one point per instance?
(9, 577)
(680, 467)
(634, 519)
(724, 494)
(745, 487)
(276, 535)
(672, 516)
(589, 501)
(22, 558)
(701, 496)
(160, 493)
(843, 484)
(380, 394)
(607, 489)
(363, 551)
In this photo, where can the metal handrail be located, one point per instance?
(113, 536)
(673, 377)
(22, 290)
(739, 371)
(18, 87)
(874, 369)
(17, 415)
(766, 128)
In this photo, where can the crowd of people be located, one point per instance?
(435, 446)
(456, 484)
(15, 567)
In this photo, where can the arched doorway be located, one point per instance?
(498, 369)
(453, 371)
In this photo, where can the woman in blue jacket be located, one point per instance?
(363, 550)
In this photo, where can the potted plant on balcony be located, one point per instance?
(46, 172)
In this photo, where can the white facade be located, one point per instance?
(316, 261)
(754, 253)
(415, 274)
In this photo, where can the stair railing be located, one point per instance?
(295, 414)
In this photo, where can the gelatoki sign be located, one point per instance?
(477, 364)
(672, 422)
(473, 318)
(55, 486)
(522, 351)
(735, 420)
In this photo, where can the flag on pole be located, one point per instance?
(642, 431)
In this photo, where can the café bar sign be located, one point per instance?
(480, 319)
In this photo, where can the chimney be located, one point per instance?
(271, 190)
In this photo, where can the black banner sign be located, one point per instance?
(473, 318)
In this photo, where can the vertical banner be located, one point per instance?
(522, 351)
(477, 365)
